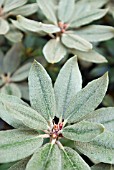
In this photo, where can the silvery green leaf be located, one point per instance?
(71, 160)
(5, 115)
(11, 89)
(47, 157)
(26, 115)
(22, 73)
(86, 100)
(18, 144)
(17, 25)
(65, 10)
(104, 116)
(41, 91)
(20, 165)
(48, 10)
(90, 56)
(96, 4)
(14, 36)
(96, 33)
(68, 83)
(35, 26)
(83, 131)
(87, 17)
(24, 90)
(54, 51)
(25, 10)
(4, 26)
(9, 5)
(1, 61)
(74, 41)
(12, 99)
(12, 58)
(100, 149)
(102, 166)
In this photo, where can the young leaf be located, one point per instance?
(65, 10)
(54, 51)
(18, 144)
(68, 83)
(41, 91)
(25, 10)
(103, 166)
(100, 149)
(72, 160)
(48, 10)
(47, 157)
(96, 33)
(87, 99)
(74, 41)
(83, 131)
(4, 26)
(11, 89)
(22, 73)
(27, 115)
(87, 17)
(90, 56)
(104, 116)
(12, 58)
(9, 5)
(20, 165)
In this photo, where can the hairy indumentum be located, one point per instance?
(59, 112)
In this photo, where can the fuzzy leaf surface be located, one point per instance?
(86, 100)
(48, 10)
(18, 144)
(68, 83)
(11, 89)
(72, 160)
(90, 56)
(87, 17)
(104, 116)
(35, 26)
(22, 73)
(74, 41)
(96, 33)
(100, 149)
(25, 10)
(9, 5)
(12, 58)
(4, 26)
(27, 115)
(65, 10)
(54, 51)
(83, 131)
(47, 157)
(41, 91)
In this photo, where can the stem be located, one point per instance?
(60, 145)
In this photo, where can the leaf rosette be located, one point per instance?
(63, 112)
